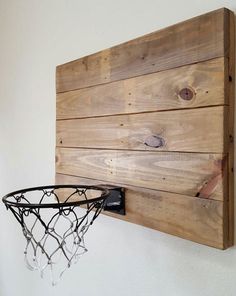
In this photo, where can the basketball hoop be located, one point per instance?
(54, 221)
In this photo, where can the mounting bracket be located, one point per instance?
(115, 202)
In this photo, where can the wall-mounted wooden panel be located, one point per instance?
(155, 115)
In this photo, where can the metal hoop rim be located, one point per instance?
(105, 193)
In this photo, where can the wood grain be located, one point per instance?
(156, 116)
(183, 173)
(192, 218)
(152, 92)
(195, 40)
(229, 130)
(180, 130)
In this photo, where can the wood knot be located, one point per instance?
(154, 141)
(186, 94)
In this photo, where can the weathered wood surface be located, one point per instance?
(183, 173)
(196, 219)
(153, 92)
(192, 130)
(229, 130)
(195, 40)
(110, 103)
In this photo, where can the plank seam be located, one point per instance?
(139, 150)
(132, 186)
(144, 74)
(144, 112)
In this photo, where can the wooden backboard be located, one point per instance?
(155, 115)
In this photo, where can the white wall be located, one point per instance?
(123, 259)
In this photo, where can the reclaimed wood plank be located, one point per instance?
(191, 130)
(183, 173)
(151, 92)
(196, 219)
(229, 130)
(198, 39)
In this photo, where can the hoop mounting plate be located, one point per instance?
(115, 202)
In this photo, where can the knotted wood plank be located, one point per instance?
(152, 92)
(193, 130)
(182, 173)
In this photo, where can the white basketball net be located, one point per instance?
(55, 236)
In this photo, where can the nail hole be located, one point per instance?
(230, 78)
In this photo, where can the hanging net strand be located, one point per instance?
(55, 225)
